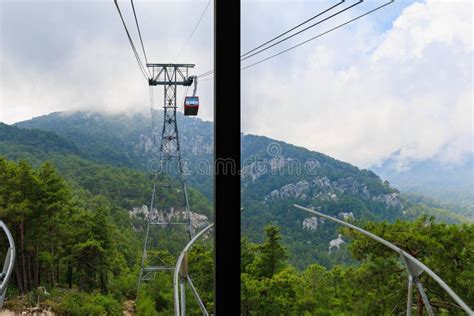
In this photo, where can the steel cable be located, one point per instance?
(194, 29)
(317, 36)
(140, 35)
(293, 28)
(303, 30)
(140, 64)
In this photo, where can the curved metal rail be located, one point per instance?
(181, 276)
(413, 266)
(8, 264)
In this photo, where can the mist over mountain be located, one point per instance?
(451, 184)
(128, 140)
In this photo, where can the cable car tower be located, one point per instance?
(170, 76)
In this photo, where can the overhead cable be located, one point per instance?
(207, 73)
(319, 35)
(194, 29)
(140, 34)
(137, 57)
(303, 30)
(293, 28)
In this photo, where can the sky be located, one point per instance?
(75, 55)
(396, 81)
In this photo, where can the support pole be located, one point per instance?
(422, 292)
(410, 295)
(181, 273)
(183, 297)
(197, 297)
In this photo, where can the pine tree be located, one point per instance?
(272, 254)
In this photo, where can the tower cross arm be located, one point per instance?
(170, 74)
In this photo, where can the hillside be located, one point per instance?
(274, 176)
(37, 143)
(97, 199)
(125, 141)
(125, 187)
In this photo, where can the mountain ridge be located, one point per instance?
(275, 175)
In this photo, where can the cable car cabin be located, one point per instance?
(191, 106)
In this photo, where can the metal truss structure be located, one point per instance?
(170, 165)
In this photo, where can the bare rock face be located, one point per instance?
(310, 223)
(326, 196)
(298, 189)
(314, 187)
(195, 144)
(322, 183)
(322, 189)
(346, 215)
(390, 199)
(139, 212)
(172, 215)
(198, 221)
(252, 169)
(351, 186)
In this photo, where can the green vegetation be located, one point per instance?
(70, 183)
(332, 187)
(462, 210)
(62, 242)
(375, 286)
(125, 140)
(75, 239)
(441, 214)
(155, 297)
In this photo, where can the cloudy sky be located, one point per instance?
(398, 80)
(62, 55)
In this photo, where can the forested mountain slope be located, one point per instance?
(79, 225)
(126, 140)
(126, 187)
(36, 143)
(104, 160)
(274, 176)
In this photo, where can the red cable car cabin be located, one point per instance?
(191, 106)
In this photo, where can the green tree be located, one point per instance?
(271, 254)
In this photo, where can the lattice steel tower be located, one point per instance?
(169, 76)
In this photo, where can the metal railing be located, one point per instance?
(181, 277)
(8, 264)
(414, 267)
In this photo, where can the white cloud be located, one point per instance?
(360, 94)
(78, 57)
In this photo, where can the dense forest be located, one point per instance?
(78, 252)
(68, 189)
(80, 256)
(376, 285)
